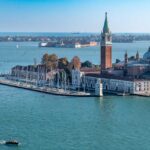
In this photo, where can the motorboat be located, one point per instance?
(12, 142)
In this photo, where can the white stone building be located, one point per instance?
(86, 83)
(142, 87)
(98, 85)
(76, 78)
(136, 87)
(117, 85)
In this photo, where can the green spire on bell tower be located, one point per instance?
(106, 28)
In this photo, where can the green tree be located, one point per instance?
(63, 63)
(87, 64)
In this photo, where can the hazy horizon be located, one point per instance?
(72, 32)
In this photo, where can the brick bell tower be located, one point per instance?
(106, 46)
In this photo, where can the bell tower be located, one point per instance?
(106, 46)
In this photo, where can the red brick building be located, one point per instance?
(106, 47)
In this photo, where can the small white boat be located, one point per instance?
(17, 46)
(43, 44)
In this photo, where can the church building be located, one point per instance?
(130, 76)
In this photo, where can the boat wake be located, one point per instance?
(2, 142)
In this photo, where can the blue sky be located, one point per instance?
(74, 15)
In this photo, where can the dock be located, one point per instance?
(46, 90)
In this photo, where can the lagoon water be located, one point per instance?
(46, 122)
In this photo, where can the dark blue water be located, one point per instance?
(46, 122)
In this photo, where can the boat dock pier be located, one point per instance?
(47, 90)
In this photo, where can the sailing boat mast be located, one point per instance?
(65, 81)
(26, 74)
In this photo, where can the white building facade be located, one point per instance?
(99, 85)
(76, 78)
(136, 87)
(86, 83)
(142, 87)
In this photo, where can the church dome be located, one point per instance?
(147, 54)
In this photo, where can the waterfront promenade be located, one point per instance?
(59, 91)
(47, 90)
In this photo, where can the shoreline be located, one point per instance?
(51, 91)
(60, 92)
